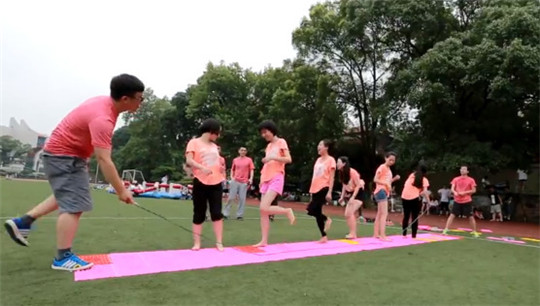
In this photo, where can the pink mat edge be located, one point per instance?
(397, 242)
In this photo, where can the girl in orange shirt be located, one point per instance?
(321, 188)
(352, 192)
(202, 155)
(383, 180)
(415, 186)
(272, 178)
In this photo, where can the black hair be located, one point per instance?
(211, 126)
(268, 125)
(328, 144)
(125, 85)
(345, 172)
(391, 153)
(419, 176)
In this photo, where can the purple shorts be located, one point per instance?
(275, 184)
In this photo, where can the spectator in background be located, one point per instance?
(522, 179)
(444, 194)
(485, 182)
(508, 205)
(496, 202)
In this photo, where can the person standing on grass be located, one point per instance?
(383, 180)
(272, 178)
(202, 155)
(352, 192)
(85, 130)
(321, 187)
(463, 187)
(241, 178)
(415, 187)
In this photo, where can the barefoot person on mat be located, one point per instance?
(202, 155)
(352, 193)
(85, 130)
(272, 178)
(321, 187)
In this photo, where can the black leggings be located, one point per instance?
(205, 196)
(411, 207)
(315, 208)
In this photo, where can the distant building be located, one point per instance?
(23, 133)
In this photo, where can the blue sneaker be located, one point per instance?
(71, 262)
(17, 231)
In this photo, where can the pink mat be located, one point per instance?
(139, 263)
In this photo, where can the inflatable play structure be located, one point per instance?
(135, 182)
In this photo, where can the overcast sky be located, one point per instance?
(55, 54)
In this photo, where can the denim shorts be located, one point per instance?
(381, 196)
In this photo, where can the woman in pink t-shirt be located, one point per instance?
(321, 187)
(415, 187)
(383, 180)
(352, 192)
(272, 178)
(202, 155)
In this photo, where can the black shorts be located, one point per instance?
(359, 195)
(462, 209)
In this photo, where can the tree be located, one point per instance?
(363, 42)
(477, 92)
(11, 149)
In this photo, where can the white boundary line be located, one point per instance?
(298, 217)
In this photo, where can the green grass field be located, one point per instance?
(464, 272)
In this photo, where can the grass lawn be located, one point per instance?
(464, 272)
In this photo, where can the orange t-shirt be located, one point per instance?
(383, 173)
(410, 191)
(353, 176)
(206, 154)
(271, 168)
(322, 174)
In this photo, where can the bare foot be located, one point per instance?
(323, 240)
(196, 247)
(290, 215)
(261, 244)
(219, 246)
(349, 236)
(384, 238)
(327, 224)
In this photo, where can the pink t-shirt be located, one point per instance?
(463, 183)
(384, 174)
(322, 174)
(411, 192)
(353, 177)
(89, 125)
(206, 154)
(273, 167)
(242, 166)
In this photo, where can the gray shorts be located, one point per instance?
(496, 209)
(69, 180)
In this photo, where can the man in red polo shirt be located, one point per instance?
(85, 130)
(241, 178)
(463, 187)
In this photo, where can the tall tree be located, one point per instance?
(477, 92)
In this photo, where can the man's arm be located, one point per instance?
(108, 168)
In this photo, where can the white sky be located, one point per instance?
(56, 54)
